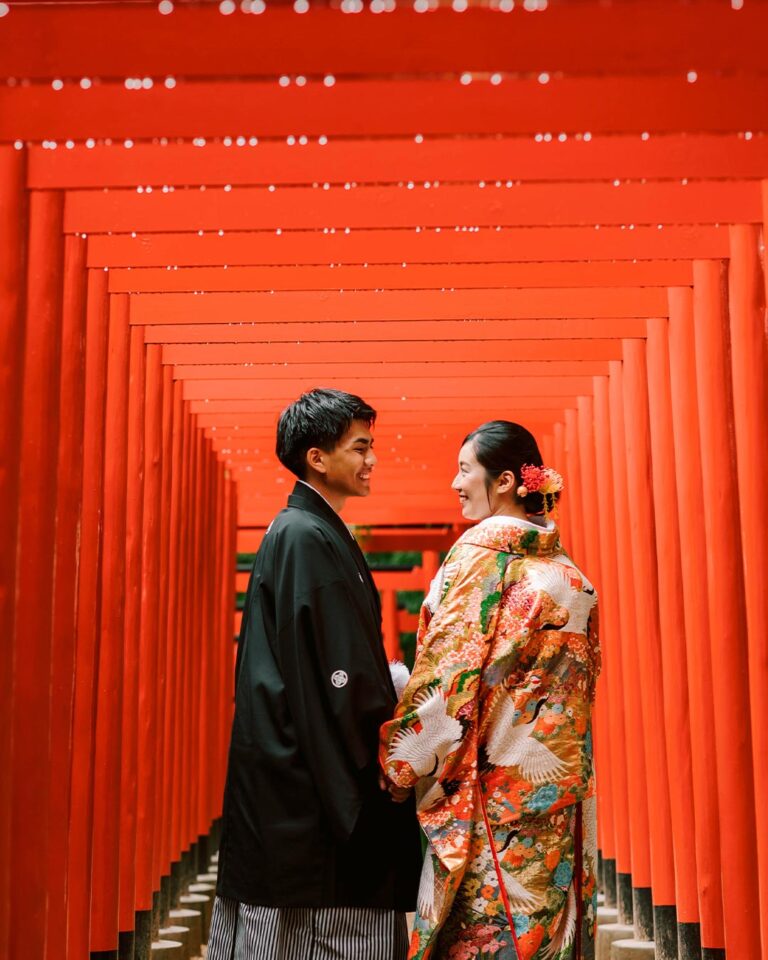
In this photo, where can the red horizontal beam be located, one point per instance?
(287, 390)
(381, 539)
(250, 412)
(107, 40)
(525, 245)
(383, 107)
(531, 204)
(386, 305)
(661, 273)
(403, 371)
(404, 331)
(389, 351)
(670, 156)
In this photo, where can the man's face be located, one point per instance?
(349, 465)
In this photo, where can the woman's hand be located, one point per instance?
(398, 794)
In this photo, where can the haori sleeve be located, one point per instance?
(434, 724)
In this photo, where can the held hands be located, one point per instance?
(398, 794)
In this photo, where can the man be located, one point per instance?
(316, 861)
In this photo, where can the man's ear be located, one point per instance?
(506, 482)
(316, 460)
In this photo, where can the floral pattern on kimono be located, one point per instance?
(496, 722)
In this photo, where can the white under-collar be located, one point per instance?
(546, 527)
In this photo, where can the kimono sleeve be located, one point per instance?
(336, 697)
(434, 731)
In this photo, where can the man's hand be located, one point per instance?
(398, 794)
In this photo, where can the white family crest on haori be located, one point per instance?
(426, 749)
(553, 579)
(512, 744)
(339, 678)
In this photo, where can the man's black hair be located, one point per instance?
(319, 418)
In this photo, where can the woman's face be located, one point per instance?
(469, 483)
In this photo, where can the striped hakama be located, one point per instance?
(242, 931)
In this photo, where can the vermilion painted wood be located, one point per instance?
(404, 372)
(442, 107)
(129, 753)
(727, 615)
(630, 595)
(670, 156)
(69, 492)
(183, 625)
(408, 331)
(254, 412)
(161, 814)
(228, 631)
(529, 204)
(671, 621)
(109, 695)
(108, 41)
(688, 468)
(13, 239)
(393, 277)
(150, 640)
(31, 663)
(171, 666)
(361, 306)
(643, 556)
(436, 245)
(750, 397)
(390, 351)
(592, 569)
(389, 624)
(287, 390)
(610, 637)
(573, 473)
(89, 585)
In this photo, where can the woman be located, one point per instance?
(493, 728)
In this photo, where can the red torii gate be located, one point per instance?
(520, 295)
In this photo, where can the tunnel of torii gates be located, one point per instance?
(546, 212)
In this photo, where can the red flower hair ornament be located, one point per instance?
(543, 480)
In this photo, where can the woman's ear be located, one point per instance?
(315, 460)
(505, 482)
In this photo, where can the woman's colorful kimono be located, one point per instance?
(499, 707)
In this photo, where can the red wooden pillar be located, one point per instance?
(731, 707)
(693, 545)
(591, 567)
(389, 623)
(641, 514)
(672, 627)
(175, 611)
(430, 564)
(630, 595)
(69, 492)
(169, 440)
(109, 697)
(228, 613)
(132, 625)
(29, 769)
(150, 662)
(88, 618)
(573, 487)
(13, 240)
(561, 465)
(750, 400)
(612, 776)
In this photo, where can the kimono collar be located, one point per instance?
(305, 497)
(511, 535)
